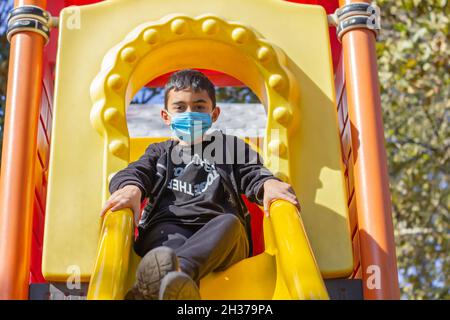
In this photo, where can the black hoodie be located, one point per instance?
(237, 167)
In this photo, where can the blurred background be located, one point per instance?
(414, 70)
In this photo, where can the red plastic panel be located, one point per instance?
(356, 251)
(36, 246)
(218, 78)
(352, 215)
(41, 165)
(257, 216)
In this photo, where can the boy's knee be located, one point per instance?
(230, 220)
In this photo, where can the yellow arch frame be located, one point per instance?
(175, 42)
(134, 62)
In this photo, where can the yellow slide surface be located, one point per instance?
(286, 270)
(293, 79)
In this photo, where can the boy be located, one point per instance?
(196, 221)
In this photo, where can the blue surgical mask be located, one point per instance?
(189, 126)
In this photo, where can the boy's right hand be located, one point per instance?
(126, 197)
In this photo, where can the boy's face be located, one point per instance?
(188, 100)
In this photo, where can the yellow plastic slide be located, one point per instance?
(286, 270)
(293, 78)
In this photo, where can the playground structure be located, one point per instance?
(66, 134)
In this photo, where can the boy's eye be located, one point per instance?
(178, 108)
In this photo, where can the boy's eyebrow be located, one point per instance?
(200, 100)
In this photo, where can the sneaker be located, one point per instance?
(154, 266)
(178, 285)
(133, 294)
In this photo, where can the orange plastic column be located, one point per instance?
(18, 159)
(378, 258)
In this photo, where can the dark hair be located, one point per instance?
(193, 79)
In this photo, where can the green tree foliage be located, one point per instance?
(242, 95)
(414, 70)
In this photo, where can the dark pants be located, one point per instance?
(202, 249)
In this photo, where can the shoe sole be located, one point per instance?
(178, 286)
(154, 266)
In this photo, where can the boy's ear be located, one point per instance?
(215, 114)
(165, 116)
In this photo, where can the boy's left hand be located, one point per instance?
(274, 190)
